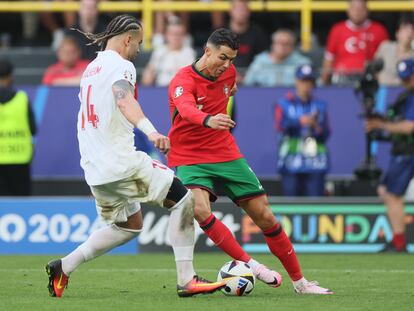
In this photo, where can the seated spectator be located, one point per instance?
(391, 52)
(55, 28)
(87, 21)
(351, 44)
(169, 58)
(252, 38)
(163, 18)
(277, 67)
(69, 68)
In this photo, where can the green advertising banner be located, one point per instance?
(347, 228)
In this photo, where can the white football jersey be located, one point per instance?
(106, 138)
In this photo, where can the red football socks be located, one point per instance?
(399, 241)
(223, 238)
(280, 246)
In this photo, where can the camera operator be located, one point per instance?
(399, 123)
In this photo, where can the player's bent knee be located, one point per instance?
(201, 211)
(134, 231)
(176, 193)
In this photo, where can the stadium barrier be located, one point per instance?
(56, 109)
(148, 7)
(58, 225)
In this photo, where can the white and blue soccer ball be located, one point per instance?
(241, 277)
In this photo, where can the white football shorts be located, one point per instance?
(118, 200)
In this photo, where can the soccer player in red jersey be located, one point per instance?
(203, 151)
(352, 43)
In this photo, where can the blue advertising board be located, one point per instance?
(49, 226)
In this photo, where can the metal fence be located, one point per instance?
(149, 7)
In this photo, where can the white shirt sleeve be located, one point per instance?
(124, 71)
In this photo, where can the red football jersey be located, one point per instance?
(350, 47)
(192, 97)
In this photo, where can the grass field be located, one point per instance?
(147, 282)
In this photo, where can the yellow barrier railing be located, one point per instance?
(148, 7)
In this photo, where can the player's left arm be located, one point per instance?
(124, 98)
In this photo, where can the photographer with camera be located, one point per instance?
(399, 124)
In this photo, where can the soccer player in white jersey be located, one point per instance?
(120, 177)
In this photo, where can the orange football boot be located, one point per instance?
(58, 281)
(199, 285)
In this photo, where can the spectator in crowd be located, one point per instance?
(302, 121)
(252, 38)
(87, 21)
(277, 67)
(394, 183)
(52, 24)
(393, 51)
(167, 59)
(351, 44)
(69, 68)
(161, 21)
(17, 126)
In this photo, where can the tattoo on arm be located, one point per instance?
(121, 88)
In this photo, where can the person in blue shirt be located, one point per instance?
(302, 121)
(277, 66)
(399, 124)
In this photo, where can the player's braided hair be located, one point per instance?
(117, 26)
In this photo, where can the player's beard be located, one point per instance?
(133, 55)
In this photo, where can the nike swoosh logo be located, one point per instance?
(201, 98)
(290, 252)
(59, 285)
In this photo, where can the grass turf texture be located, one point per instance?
(147, 282)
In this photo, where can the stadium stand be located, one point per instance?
(29, 63)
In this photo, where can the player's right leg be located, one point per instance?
(181, 232)
(125, 222)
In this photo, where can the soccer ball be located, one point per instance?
(242, 279)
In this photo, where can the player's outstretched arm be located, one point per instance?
(131, 109)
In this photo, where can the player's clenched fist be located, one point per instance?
(221, 122)
(160, 141)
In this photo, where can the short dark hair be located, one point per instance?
(406, 19)
(224, 36)
(6, 68)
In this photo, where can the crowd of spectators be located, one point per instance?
(350, 43)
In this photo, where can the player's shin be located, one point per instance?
(98, 243)
(280, 246)
(223, 238)
(181, 234)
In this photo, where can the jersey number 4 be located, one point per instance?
(90, 110)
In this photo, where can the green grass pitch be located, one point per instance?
(147, 282)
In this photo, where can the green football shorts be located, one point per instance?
(236, 177)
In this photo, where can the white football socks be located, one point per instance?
(181, 234)
(98, 243)
(252, 263)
